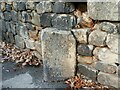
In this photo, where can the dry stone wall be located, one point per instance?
(49, 28)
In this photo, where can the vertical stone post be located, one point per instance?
(58, 54)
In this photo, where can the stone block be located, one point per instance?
(14, 16)
(85, 59)
(104, 10)
(7, 15)
(63, 21)
(106, 56)
(21, 6)
(29, 43)
(30, 5)
(85, 50)
(63, 7)
(26, 17)
(46, 19)
(35, 18)
(87, 71)
(58, 54)
(108, 27)
(81, 35)
(107, 68)
(44, 6)
(11, 37)
(113, 41)
(109, 79)
(8, 7)
(1, 15)
(97, 38)
(3, 26)
(19, 42)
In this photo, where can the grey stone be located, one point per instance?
(19, 42)
(88, 71)
(38, 46)
(14, 16)
(21, 6)
(85, 50)
(13, 29)
(1, 15)
(29, 43)
(8, 26)
(35, 18)
(46, 19)
(2, 6)
(30, 26)
(104, 10)
(19, 16)
(26, 17)
(44, 6)
(58, 54)
(81, 35)
(107, 68)
(37, 54)
(30, 5)
(63, 21)
(11, 37)
(106, 56)
(23, 32)
(8, 7)
(109, 79)
(3, 26)
(113, 41)
(7, 15)
(97, 38)
(63, 7)
(108, 27)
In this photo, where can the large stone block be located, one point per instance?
(44, 6)
(63, 21)
(81, 35)
(58, 54)
(109, 79)
(7, 15)
(104, 10)
(88, 71)
(21, 6)
(113, 41)
(97, 38)
(106, 56)
(63, 7)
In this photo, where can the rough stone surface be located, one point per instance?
(85, 50)
(58, 54)
(14, 16)
(8, 7)
(84, 59)
(19, 42)
(35, 18)
(104, 10)
(44, 6)
(107, 68)
(108, 27)
(105, 55)
(63, 7)
(29, 43)
(63, 21)
(81, 35)
(7, 15)
(11, 37)
(21, 6)
(113, 41)
(23, 32)
(46, 19)
(26, 17)
(87, 71)
(108, 79)
(30, 5)
(97, 38)
(38, 46)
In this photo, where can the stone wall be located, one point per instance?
(50, 29)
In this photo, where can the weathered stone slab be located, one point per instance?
(88, 71)
(113, 41)
(58, 54)
(81, 35)
(97, 38)
(109, 79)
(63, 7)
(104, 10)
(85, 50)
(106, 56)
(44, 6)
(63, 21)
(107, 68)
(19, 41)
